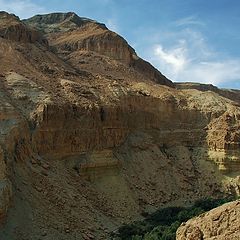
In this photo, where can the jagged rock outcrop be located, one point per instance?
(59, 22)
(222, 223)
(12, 28)
(90, 142)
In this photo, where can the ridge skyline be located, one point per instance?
(197, 44)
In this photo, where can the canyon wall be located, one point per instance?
(93, 136)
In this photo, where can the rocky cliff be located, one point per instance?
(92, 136)
(221, 223)
(71, 36)
(12, 28)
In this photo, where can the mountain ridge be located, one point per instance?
(84, 36)
(71, 19)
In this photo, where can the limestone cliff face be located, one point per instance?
(89, 142)
(221, 223)
(223, 140)
(107, 126)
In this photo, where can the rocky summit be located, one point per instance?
(93, 137)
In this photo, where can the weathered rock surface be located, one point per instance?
(96, 38)
(58, 22)
(12, 28)
(222, 223)
(5, 189)
(90, 138)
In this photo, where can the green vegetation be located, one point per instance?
(163, 224)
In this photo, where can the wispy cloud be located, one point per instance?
(191, 20)
(112, 25)
(192, 60)
(215, 72)
(104, 2)
(21, 8)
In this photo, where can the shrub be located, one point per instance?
(163, 224)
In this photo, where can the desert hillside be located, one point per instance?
(92, 136)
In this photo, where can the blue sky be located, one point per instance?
(187, 40)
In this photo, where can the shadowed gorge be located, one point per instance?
(93, 137)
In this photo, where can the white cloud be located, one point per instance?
(192, 60)
(215, 72)
(175, 57)
(191, 20)
(21, 8)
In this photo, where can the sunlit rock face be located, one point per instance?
(220, 223)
